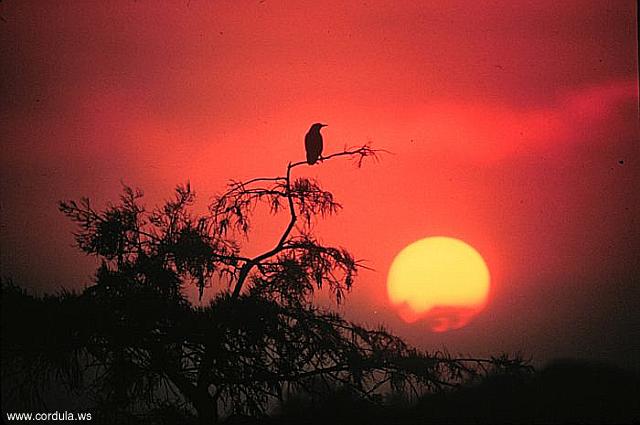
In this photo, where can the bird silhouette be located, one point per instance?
(313, 143)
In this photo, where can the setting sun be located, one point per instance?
(439, 279)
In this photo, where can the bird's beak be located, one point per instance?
(324, 125)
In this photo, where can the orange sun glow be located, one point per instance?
(441, 280)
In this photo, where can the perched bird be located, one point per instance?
(313, 143)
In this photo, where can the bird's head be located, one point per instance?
(317, 126)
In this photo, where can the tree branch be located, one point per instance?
(361, 152)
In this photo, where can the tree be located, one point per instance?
(258, 340)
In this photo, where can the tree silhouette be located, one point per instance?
(137, 342)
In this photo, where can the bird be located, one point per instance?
(313, 143)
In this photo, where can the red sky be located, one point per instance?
(513, 126)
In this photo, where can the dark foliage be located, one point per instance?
(141, 349)
(563, 392)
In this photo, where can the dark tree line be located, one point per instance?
(134, 342)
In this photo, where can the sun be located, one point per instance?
(441, 280)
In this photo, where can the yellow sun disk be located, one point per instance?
(437, 272)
